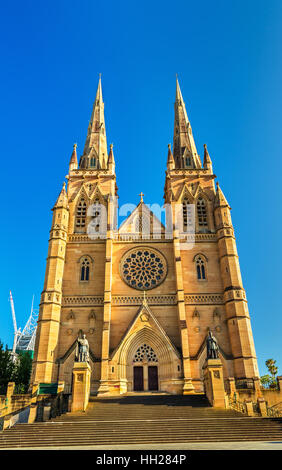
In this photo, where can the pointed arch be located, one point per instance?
(201, 267)
(85, 268)
(202, 213)
(81, 214)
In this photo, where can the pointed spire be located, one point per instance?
(220, 199)
(73, 161)
(62, 200)
(170, 159)
(183, 140)
(96, 141)
(111, 160)
(207, 159)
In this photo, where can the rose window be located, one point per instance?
(145, 352)
(143, 268)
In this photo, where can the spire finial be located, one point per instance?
(141, 196)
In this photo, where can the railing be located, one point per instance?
(256, 409)
(274, 411)
(237, 405)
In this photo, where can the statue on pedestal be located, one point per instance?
(82, 350)
(212, 347)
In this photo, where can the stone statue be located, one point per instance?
(212, 347)
(82, 351)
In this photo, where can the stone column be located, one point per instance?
(145, 376)
(214, 384)
(81, 386)
(104, 382)
(262, 407)
(33, 403)
(188, 386)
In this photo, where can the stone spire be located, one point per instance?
(207, 164)
(73, 161)
(170, 160)
(220, 199)
(95, 153)
(111, 159)
(62, 201)
(184, 148)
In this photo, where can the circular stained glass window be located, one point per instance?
(143, 268)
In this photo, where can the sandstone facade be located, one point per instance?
(144, 294)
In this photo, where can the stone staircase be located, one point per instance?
(154, 419)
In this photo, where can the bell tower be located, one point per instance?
(210, 263)
(82, 228)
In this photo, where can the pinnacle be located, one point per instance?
(62, 200)
(220, 199)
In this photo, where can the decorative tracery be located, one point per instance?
(84, 269)
(81, 214)
(143, 268)
(145, 353)
(202, 213)
(201, 268)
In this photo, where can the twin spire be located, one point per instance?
(95, 154)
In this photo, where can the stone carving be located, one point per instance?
(143, 268)
(212, 347)
(82, 350)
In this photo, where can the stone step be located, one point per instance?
(143, 420)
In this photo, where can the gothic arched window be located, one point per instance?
(81, 214)
(92, 162)
(145, 353)
(85, 268)
(186, 214)
(202, 214)
(201, 268)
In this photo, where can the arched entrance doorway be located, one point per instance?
(145, 369)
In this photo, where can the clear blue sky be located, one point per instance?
(228, 58)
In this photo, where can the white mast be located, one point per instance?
(17, 331)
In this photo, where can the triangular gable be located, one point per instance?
(201, 192)
(128, 225)
(186, 193)
(81, 192)
(144, 319)
(97, 193)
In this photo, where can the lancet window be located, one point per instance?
(202, 214)
(201, 268)
(81, 214)
(85, 269)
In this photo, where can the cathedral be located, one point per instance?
(146, 294)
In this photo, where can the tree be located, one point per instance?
(14, 371)
(22, 371)
(7, 368)
(269, 381)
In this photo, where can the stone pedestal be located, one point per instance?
(214, 384)
(81, 386)
(188, 387)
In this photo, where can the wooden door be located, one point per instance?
(138, 381)
(153, 378)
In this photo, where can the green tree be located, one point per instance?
(265, 380)
(269, 380)
(273, 369)
(7, 368)
(21, 375)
